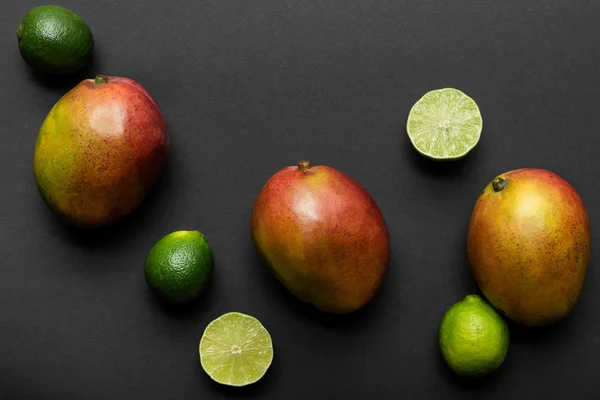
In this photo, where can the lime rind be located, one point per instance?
(473, 338)
(236, 350)
(445, 124)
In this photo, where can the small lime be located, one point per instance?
(179, 266)
(236, 349)
(445, 124)
(473, 338)
(55, 40)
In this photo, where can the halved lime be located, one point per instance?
(236, 349)
(445, 124)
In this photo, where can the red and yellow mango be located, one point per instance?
(322, 235)
(529, 245)
(100, 150)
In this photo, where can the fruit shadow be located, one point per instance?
(185, 311)
(439, 169)
(118, 234)
(63, 83)
(352, 322)
(543, 337)
(466, 384)
(258, 390)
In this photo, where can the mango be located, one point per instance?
(322, 236)
(529, 245)
(99, 151)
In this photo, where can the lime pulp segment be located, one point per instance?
(236, 349)
(445, 124)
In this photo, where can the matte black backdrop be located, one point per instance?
(249, 87)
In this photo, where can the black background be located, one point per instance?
(247, 88)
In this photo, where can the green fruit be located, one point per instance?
(54, 40)
(179, 266)
(236, 349)
(444, 125)
(473, 337)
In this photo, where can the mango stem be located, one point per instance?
(499, 184)
(100, 79)
(304, 165)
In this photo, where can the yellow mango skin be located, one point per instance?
(99, 151)
(529, 246)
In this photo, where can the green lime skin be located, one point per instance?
(54, 40)
(473, 337)
(179, 266)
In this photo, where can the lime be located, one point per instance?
(473, 337)
(445, 124)
(55, 40)
(236, 349)
(179, 266)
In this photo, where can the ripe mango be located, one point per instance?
(529, 245)
(322, 235)
(100, 150)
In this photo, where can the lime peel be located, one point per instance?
(473, 337)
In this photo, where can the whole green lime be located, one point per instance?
(179, 266)
(474, 338)
(54, 40)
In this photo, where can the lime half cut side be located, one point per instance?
(445, 124)
(236, 350)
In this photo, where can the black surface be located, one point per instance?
(249, 87)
